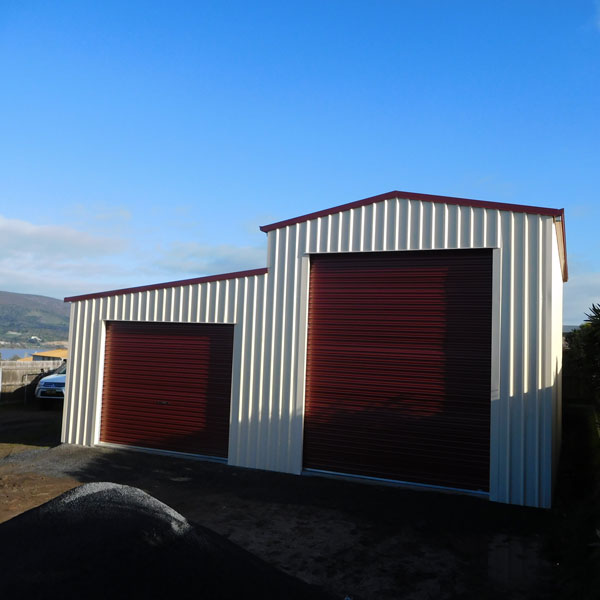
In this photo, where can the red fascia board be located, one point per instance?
(534, 210)
(170, 284)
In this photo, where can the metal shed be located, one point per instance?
(405, 337)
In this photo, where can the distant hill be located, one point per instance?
(25, 315)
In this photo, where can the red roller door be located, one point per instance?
(398, 366)
(167, 386)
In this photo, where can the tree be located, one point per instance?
(593, 318)
(581, 361)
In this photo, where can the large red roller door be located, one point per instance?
(398, 366)
(167, 386)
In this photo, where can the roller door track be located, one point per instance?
(167, 386)
(398, 366)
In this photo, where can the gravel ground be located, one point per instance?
(103, 540)
(353, 539)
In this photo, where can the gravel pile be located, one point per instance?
(104, 540)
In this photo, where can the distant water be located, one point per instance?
(8, 353)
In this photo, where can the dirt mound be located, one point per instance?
(104, 540)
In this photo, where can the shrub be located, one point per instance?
(581, 360)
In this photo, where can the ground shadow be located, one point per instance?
(487, 541)
(27, 425)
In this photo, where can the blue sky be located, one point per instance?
(147, 141)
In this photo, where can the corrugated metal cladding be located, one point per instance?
(398, 366)
(230, 301)
(525, 316)
(167, 386)
(270, 314)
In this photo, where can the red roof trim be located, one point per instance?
(535, 210)
(170, 284)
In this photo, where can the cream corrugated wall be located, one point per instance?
(527, 326)
(270, 314)
(234, 301)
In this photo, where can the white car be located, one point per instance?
(52, 386)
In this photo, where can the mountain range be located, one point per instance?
(23, 316)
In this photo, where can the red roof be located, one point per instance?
(170, 284)
(557, 213)
(534, 210)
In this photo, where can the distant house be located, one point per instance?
(45, 355)
(402, 338)
(60, 354)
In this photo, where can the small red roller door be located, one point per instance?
(398, 366)
(167, 386)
